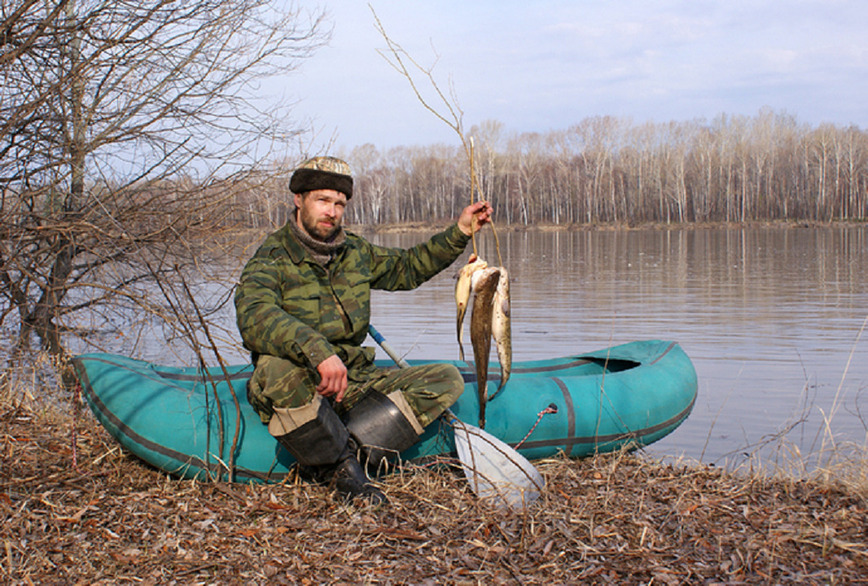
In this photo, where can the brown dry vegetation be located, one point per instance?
(76, 509)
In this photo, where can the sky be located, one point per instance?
(543, 65)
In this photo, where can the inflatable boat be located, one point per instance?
(197, 423)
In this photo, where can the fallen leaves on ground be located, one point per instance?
(87, 512)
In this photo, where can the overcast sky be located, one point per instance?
(546, 65)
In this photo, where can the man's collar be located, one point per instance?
(301, 244)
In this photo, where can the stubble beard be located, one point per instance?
(316, 230)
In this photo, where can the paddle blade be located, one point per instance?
(496, 471)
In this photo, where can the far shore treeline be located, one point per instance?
(606, 170)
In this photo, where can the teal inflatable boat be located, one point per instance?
(187, 422)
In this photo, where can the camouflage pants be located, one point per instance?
(428, 389)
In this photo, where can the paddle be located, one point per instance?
(494, 469)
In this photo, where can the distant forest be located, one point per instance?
(610, 170)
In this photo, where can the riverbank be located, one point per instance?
(76, 508)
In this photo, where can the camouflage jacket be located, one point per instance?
(290, 306)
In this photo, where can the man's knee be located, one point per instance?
(438, 388)
(278, 383)
(453, 383)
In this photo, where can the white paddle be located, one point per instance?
(495, 470)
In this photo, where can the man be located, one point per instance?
(303, 308)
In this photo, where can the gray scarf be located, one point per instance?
(322, 252)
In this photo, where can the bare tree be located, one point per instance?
(110, 108)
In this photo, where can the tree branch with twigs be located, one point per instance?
(128, 127)
(449, 111)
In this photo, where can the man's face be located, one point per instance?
(320, 212)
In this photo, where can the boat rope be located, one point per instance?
(552, 408)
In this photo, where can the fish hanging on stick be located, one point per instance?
(490, 318)
(484, 285)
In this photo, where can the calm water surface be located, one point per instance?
(772, 318)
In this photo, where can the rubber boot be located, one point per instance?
(383, 427)
(350, 481)
(324, 445)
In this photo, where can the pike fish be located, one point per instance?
(462, 295)
(501, 328)
(484, 284)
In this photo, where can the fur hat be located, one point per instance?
(322, 173)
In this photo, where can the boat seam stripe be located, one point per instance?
(571, 414)
(662, 354)
(603, 439)
(468, 373)
(123, 428)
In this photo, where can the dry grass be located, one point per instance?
(77, 509)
